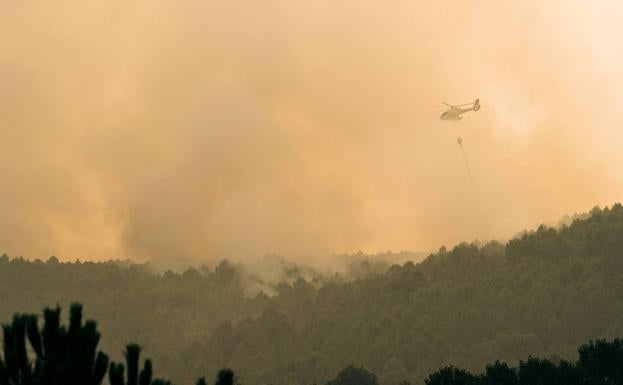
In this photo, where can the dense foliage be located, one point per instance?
(600, 363)
(541, 294)
(165, 312)
(70, 356)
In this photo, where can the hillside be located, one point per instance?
(543, 293)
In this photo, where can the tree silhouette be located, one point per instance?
(499, 373)
(451, 376)
(537, 371)
(354, 376)
(69, 356)
(225, 377)
(132, 356)
(65, 356)
(601, 362)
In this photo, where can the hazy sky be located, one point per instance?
(210, 129)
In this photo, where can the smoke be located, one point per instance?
(207, 130)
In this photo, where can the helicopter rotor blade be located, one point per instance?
(458, 105)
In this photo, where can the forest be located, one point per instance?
(69, 355)
(485, 308)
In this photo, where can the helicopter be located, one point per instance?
(455, 112)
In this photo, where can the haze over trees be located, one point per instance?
(541, 294)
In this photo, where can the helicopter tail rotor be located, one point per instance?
(477, 105)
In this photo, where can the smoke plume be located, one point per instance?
(203, 129)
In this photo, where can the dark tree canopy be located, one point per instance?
(354, 376)
(451, 376)
(599, 363)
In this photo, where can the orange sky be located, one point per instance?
(203, 129)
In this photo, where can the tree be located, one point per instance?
(62, 355)
(132, 357)
(499, 373)
(354, 376)
(536, 371)
(451, 376)
(601, 362)
(225, 377)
